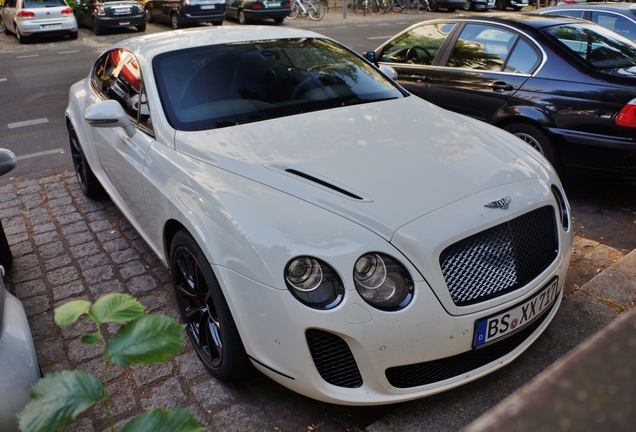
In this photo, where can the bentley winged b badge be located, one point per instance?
(501, 203)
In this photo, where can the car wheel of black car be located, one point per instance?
(432, 5)
(89, 184)
(204, 310)
(468, 5)
(141, 27)
(175, 22)
(500, 4)
(241, 17)
(97, 28)
(534, 137)
(148, 16)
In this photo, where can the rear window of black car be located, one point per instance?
(223, 85)
(602, 48)
(43, 3)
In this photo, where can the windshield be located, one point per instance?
(602, 48)
(224, 85)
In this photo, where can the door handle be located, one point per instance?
(414, 78)
(501, 86)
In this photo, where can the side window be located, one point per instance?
(481, 47)
(523, 59)
(616, 23)
(116, 75)
(419, 46)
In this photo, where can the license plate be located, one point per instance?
(124, 23)
(504, 323)
(121, 11)
(208, 7)
(277, 4)
(50, 26)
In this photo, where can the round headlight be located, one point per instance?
(382, 282)
(314, 283)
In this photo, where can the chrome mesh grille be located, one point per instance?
(500, 259)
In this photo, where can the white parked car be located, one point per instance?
(27, 18)
(351, 241)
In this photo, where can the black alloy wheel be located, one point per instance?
(205, 312)
(433, 6)
(86, 178)
(468, 5)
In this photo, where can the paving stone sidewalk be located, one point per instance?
(67, 246)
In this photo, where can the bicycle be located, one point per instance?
(411, 6)
(302, 8)
(370, 6)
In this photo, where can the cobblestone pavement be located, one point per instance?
(66, 247)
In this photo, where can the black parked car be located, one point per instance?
(565, 86)
(104, 14)
(180, 13)
(252, 10)
(618, 17)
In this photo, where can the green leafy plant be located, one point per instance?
(58, 398)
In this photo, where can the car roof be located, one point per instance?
(151, 45)
(625, 8)
(517, 20)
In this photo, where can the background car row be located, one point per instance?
(565, 86)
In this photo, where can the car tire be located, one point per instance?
(204, 310)
(175, 22)
(537, 139)
(279, 20)
(433, 6)
(148, 16)
(500, 5)
(5, 30)
(241, 17)
(97, 28)
(552, 2)
(89, 184)
(21, 39)
(141, 27)
(6, 257)
(73, 35)
(468, 5)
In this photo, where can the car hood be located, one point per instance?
(381, 165)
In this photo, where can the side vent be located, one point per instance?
(323, 183)
(333, 359)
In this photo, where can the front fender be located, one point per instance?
(529, 113)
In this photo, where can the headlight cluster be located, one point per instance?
(314, 283)
(380, 280)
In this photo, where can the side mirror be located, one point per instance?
(389, 71)
(7, 161)
(370, 56)
(107, 114)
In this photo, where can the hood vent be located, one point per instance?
(323, 183)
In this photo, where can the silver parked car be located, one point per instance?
(18, 362)
(27, 18)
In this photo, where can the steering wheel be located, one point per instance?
(412, 54)
(303, 87)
